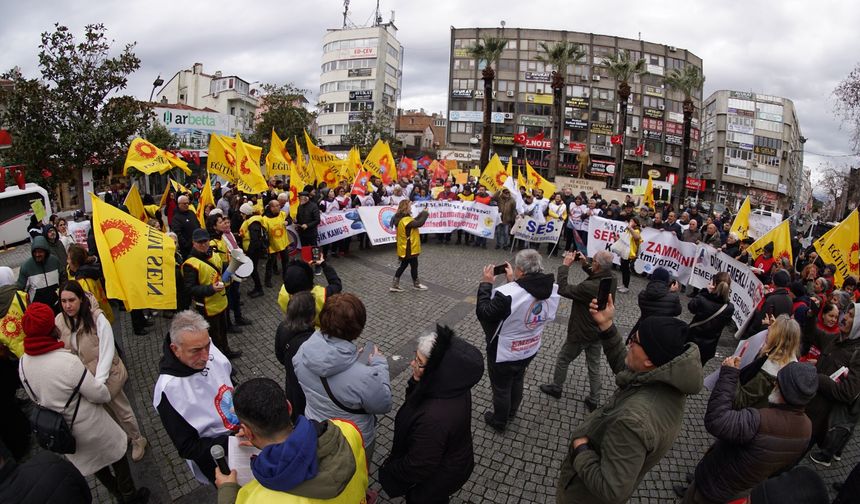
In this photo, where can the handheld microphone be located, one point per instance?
(217, 452)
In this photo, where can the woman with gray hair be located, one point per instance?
(431, 455)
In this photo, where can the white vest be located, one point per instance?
(520, 334)
(204, 400)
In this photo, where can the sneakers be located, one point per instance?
(418, 285)
(821, 458)
(138, 448)
(395, 287)
(551, 389)
(623, 289)
(590, 404)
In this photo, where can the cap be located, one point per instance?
(200, 235)
(798, 382)
(662, 338)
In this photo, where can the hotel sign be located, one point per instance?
(538, 76)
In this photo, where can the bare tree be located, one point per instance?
(847, 106)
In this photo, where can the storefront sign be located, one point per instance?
(653, 91)
(767, 151)
(542, 99)
(533, 143)
(474, 116)
(654, 113)
(580, 103)
(695, 184)
(576, 124)
(673, 128)
(601, 150)
(675, 117)
(529, 120)
(461, 93)
(602, 128)
(357, 52)
(462, 52)
(361, 95)
(538, 76)
(503, 139)
(358, 72)
(743, 95)
(576, 147)
(652, 135)
(674, 139)
(602, 167)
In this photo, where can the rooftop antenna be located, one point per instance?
(377, 16)
(345, 11)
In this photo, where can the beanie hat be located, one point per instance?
(798, 382)
(216, 211)
(768, 247)
(781, 278)
(199, 235)
(246, 209)
(38, 325)
(799, 485)
(798, 289)
(661, 274)
(298, 277)
(662, 338)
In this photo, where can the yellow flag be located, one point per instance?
(222, 158)
(522, 181)
(535, 181)
(325, 164)
(649, 193)
(781, 238)
(296, 186)
(147, 158)
(250, 178)
(135, 204)
(305, 170)
(278, 160)
(841, 247)
(741, 224)
(206, 198)
(352, 166)
(494, 175)
(137, 260)
(380, 162)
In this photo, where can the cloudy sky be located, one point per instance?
(798, 50)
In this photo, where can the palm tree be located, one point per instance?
(687, 81)
(559, 55)
(488, 49)
(622, 69)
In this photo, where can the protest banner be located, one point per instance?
(747, 350)
(531, 230)
(759, 225)
(377, 223)
(79, 232)
(602, 233)
(664, 249)
(445, 216)
(338, 225)
(746, 289)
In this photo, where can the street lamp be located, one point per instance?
(157, 82)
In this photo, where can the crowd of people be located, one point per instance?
(317, 434)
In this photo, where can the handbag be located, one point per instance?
(712, 317)
(50, 427)
(621, 247)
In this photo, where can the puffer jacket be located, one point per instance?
(634, 429)
(356, 385)
(707, 335)
(42, 281)
(658, 300)
(752, 444)
(581, 327)
(779, 301)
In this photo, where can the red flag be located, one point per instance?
(640, 150)
(406, 168)
(615, 139)
(359, 186)
(520, 138)
(539, 136)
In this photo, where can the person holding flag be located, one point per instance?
(408, 243)
(254, 243)
(275, 222)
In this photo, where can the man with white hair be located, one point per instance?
(194, 393)
(513, 318)
(184, 223)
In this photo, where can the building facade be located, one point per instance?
(523, 103)
(225, 94)
(361, 76)
(420, 133)
(752, 145)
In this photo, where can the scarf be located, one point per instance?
(38, 345)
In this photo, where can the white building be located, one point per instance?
(226, 94)
(361, 71)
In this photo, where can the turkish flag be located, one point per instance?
(615, 140)
(639, 150)
(539, 136)
(520, 138)
(5, 138)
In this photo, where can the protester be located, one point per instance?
(299, 277)
(183, 224)
(613, 449)
(507, 217)
(576, 212)
(55, 245)
(274, 221)
(16, 428)
(556, 209)
(660, 297)
(672, 225)
(44, 478)
(763, 264)
(88, 273)
(758, 378)
(229, 247)
(336, 384)
(52, 377)
(408, 243)
(255, 241)
(41, 275)
(513, 317)
(777, 302)
(582, 331)
(292, 332)
(307, 220)
(712, 236)
(305, 461)
(431, 454)
(712, 311)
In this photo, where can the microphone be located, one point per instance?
(217, 452)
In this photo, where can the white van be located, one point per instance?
(15, 211)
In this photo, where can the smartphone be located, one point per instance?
(770, 311)
(365, 352)
(315, 254)
(603, 293)
(500, 269)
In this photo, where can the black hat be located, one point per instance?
(768, 247)
(200, 235)
(661, 274)
(304, 193)
(749, 240)
(298, 277)
(662, 338)
(798, 289)
(798, 382)
(781, 278)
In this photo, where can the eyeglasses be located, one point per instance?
(417, 362)
(633, 338)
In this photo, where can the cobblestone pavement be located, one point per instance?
(520, 465)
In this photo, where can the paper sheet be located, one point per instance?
(239, 458)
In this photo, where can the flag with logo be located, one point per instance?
(841, 247)
(296, 186)
(380, 162)
(137, 260)
(305, 170)
(535, 181)
(741, 224)
(406, 168)
(616, 139)
(649, 193)
(147, 158)
(325, 164)
(206, 198)
(639, 151)
(494, 175)
(249, 177)
(522, 181)
(278, 160)
(352, 165)
(222, 158)
(361, 183)
(436, 171)
(781, 238)
(424, 162)
(135, 204)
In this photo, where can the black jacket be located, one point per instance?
(185, 438)
(43, 479)
(190, 283)
(707, 335)
(287, 344)
(184, 224)
(658, 300)
(779, 301)
(752, 444)
(431, 455)
(309, 214)
(674, 227)
(492, 310)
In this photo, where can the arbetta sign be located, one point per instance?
(177, 120)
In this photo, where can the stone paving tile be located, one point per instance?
(518, 466)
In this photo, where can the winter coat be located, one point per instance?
(707, 336)
(754, 391)
(309, 214)
(658, 300)
(356, 385)
(779, 301)
(43, 479)
(287, 344)
(581, 327)
(752, 444)
(431, 455)
(42, 281)
(713, 240)
(633, 430)
(57, 247)
(184, 224)
(51, 378)
(691, 236)
(673, 227)
(507, 210)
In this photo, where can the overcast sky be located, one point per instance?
(798, 50)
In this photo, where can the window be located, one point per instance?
(507, 65)
(654, 59)
(334, 129)
(673, 150)
(466, 43)
(578, 91)
(349, 44)
(391, 70)
(736, 172)
(232, 110)
(766, 177)
(394, 53)
(534, 109)
(745, 155)
(738, 104)
(506, 85)
(654, 146)
(766, 160)
(505, 106)
(773, 143)
(600, 52)
(460, 127)
(602, 116)
(742, 138)
(652, 80)
(774, 127)
(463, 84)
(349, 64)
(604, 94)
(652, 102)
(674, 63)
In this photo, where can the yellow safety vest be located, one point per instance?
(207, 275)
(414, 238)
(245, 234)
(96, 288)
(277, 229)
(318, 292)
(463, 197)
(355, 490)
(11, 328)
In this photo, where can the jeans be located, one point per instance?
(270, 263)
(412, 262)
(569, 352)
(503, 235)
(506, 380)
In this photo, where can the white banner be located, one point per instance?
(79, 232)
(602, 233)
(761, 224)
(530, 230)
(746, 289)
(445, 216)
(664, 249)
(338, 225)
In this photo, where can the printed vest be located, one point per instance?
(207, 275)
(277, 229)
(520, 334)
(245, 234)
(414, 238)
(318, 291)
(11, 328)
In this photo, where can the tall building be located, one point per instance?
(523, 103)
(225, 94)
(361, 74)
(751, 145)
